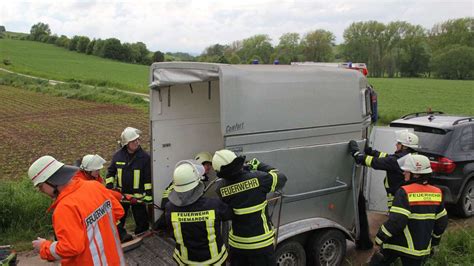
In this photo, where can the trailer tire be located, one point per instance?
(290, 253)
(327, 247)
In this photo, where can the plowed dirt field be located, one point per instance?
(34, 124)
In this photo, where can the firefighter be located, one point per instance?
(417, 218)
(244, 188)
(194, 219)
(90, 167)
(204, 158)
(84, 216)
(406, 143)
(130, 173)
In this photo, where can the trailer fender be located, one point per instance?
(299, 227)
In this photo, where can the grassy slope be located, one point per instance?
(408, 95)
(52, 62)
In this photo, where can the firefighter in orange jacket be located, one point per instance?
(417, 218)
(90, 170)
(84, 216)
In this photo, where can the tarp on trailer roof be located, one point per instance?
(263, 98)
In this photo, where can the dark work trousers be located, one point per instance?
(390, 257)
(139, 215)
(264, 258)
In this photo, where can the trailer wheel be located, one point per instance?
(290, 253)
(327, 247)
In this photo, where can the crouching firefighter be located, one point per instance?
(130, 174)
(194, 219)
(417, 218)
(406, 143)
(245, 189)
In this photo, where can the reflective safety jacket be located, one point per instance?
(388, 162)
(83, 176)
(416, 220)
(246, 193)
(196, 229)
(131, 174)
(84, 220)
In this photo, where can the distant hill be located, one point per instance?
(52, 62)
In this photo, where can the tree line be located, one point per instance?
(395, 49)
(111, 48)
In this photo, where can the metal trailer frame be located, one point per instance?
(297, 118)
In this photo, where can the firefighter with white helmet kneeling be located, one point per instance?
(245, 189)
(406, 143)
(84, 216)
(130, 174)
(194, 219)
(417, 218)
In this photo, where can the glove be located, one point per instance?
(353, 148)
(37, 243)
(130, 199)
(254, 163)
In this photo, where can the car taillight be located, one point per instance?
(443, 165)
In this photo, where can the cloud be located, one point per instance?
(191, 26)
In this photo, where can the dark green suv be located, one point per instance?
(448, 140)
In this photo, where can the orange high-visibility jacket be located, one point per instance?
(83, 176)
(84, 221)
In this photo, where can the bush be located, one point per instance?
(23, 212)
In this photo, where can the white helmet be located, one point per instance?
(187, 175)
(49, 169)
(92, 162)
(416, 164)
(129, 134)
(222, 158)
(43, 168)
(203, 157)
(407, 139)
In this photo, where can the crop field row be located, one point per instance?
(34, 124)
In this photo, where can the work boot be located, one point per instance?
(125, 237)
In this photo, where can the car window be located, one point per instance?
(466, 138)
(432, 139)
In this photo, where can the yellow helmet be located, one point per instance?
(203, 157)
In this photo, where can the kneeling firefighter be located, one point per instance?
(194, 219)
(245, 189)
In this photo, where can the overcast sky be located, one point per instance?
(191, 26)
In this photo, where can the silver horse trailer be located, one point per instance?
(296, 118)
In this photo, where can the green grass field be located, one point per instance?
(401, 96)
(52, 62)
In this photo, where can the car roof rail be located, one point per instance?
(408, 116)
(468, 119)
